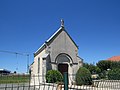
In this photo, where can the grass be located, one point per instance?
(14, 79)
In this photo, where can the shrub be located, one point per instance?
(114, 74)
(53, 76)
(83, 77)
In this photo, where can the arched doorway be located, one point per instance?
(63, 63)
(63, 68)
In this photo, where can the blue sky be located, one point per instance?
(25, 25)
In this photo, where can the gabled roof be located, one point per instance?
(114, 58)
(49, 41)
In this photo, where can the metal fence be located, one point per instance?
(26, 82)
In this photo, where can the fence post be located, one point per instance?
(65, 81)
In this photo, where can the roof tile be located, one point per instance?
(114, 58)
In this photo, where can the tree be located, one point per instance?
(92, 68)
(83, 76)
(86, 65)
(97, 70)
(104, 65)
(115, 64)
(114, 74)
(15, 72)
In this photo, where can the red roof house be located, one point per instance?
(114, 58)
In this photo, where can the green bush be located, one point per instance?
(53, 76)
(83, 77)
(114, 74)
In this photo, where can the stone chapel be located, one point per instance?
(59, 52)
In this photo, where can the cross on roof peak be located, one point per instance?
(62, 23)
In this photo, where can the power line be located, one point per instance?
(11, 52)
(18, 53)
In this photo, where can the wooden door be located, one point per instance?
(63, 68)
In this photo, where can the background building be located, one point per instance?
(4, 72)
(114, 58)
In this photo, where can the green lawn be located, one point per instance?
(14, 79)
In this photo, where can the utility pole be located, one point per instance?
(28, 63)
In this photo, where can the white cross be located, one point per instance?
(62, 22)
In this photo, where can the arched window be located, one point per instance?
(63, 58)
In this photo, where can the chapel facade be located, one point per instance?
(59, 52)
